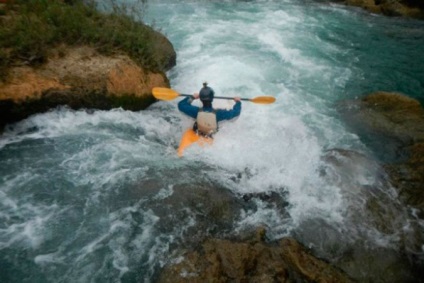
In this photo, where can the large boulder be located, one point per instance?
(395, 115)
(393, 123)
(164, 52)
(81, 78)
(221, 260)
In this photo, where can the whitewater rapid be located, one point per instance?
(94, 195)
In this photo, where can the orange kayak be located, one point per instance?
(191, 137)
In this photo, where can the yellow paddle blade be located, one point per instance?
(163, 93)
(263, 99)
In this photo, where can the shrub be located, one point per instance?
(30, 28)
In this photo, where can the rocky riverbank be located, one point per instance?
(252, 261)
(79, 77)
(39, 74)
(393, 125)
(404, 8)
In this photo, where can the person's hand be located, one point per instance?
(196, 95)
(236, 99)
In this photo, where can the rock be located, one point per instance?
(412, 9)
(83, 67)
(307, 266)
(408, 178)
(377, 264)
(164, 53)
(391, 120)
(256, 261)
(365, 4)
(27, 84)
(213, 209)
(395, 115)
(81, 78)
(388, 122)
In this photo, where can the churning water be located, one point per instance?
(101, 196)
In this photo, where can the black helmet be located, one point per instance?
(206, 94)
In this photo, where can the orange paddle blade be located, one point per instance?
(263, 99)
(163, 93)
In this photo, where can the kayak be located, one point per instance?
(190, 137)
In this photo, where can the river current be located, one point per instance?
(101, 196)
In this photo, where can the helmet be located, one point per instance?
(206, 94)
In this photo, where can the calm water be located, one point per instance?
(102, 197)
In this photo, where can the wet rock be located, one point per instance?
(387, 122)
(396, 115)
(408, 177)
(377, 264)
(406, 8)
(392, 125)
(393, 122)
(205, 210)
(251, 261)
(369, 5)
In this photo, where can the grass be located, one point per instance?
(30, 28)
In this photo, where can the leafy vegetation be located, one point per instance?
(29, 28)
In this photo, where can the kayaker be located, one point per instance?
(207, 117)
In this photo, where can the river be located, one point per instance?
(101, 196)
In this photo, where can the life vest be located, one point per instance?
(206, 123)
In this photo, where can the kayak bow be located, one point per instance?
(190, 137)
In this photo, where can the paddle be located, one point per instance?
(163, 93)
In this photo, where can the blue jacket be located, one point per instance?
(221, 114)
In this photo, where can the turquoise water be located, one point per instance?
(102, 197)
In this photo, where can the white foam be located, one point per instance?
(276, 147)
(30, 231)
(164, 193)
(47, 259)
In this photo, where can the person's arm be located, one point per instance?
(222, 114)
(186, 107)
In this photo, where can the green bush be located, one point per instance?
(30, 28)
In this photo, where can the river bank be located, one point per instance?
(44, 68)
(404, 8)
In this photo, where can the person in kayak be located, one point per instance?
(207, 117)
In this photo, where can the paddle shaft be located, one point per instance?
(164, 93)
(219, 97)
